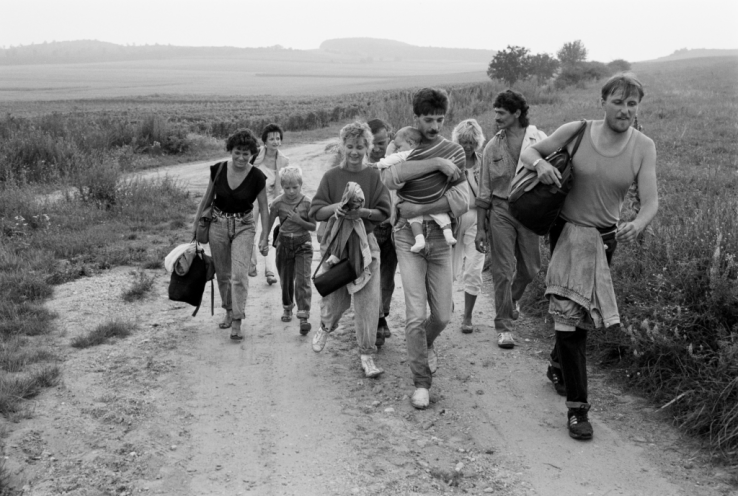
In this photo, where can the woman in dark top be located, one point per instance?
(233, 228)
(356, 142)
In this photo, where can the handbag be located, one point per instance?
(536, 205)
(202, 230)
(190, 287)
(337, 276)
(275, 231)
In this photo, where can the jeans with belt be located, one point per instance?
(231, 244)
(427, 280)
(294, 257)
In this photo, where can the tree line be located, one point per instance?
(570, 66)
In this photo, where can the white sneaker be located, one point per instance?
(505, 340)
(432, 360)
(370, 369)
(420, 399)
(320, 338)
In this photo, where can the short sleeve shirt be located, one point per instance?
(283, 208)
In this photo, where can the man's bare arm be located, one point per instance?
(648, 191)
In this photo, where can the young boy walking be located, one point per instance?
(294, 252)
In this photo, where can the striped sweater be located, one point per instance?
(429, 188)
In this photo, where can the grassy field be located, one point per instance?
(677, 289)
(225, 77)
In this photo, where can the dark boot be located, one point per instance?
(578, 422)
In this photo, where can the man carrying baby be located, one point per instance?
(427, 275)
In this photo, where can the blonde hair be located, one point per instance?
(409, 133)
(358, 130)
(289, 173)
(469, 129)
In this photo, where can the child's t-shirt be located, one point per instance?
(432, 187)
(284, 208)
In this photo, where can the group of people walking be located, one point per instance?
(433, 207)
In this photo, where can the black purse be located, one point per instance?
(538, 208)
(337, 276)
(190, 287)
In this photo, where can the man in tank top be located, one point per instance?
(612, 155)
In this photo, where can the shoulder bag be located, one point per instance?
(536, 205)
(337, 276)
(190, 287)
(202, 230)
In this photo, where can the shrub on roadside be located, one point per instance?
(103, 334)
(140, 287)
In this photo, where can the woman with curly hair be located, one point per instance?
(236, 184)
(354, 172)
(467, 261)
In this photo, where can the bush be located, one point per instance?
(619, 65)
(103, 334)
(140, 287)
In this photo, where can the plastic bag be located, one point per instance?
(186, 252)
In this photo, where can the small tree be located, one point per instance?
(510, 65)
(543, 66)
(619, 65)
(572, 53)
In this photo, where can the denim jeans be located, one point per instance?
(366, 306)
(427, 280)
(231, 243)
(387, 267)
(269, 259)
(516, 260)
(294, 256)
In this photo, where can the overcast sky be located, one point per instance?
(630, 29)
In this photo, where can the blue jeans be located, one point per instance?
(294, 256)
(427, 280)
(388, 266)
(231, 243)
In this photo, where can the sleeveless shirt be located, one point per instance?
(241, 198)
(600, 182)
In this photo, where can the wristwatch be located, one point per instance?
(536, 162)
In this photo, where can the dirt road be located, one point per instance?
(179, 409)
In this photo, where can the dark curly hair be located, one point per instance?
(512, 101)
(271, 128)
(430, 101)
(243, 138)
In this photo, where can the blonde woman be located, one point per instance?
(467, 261)
(356, 142)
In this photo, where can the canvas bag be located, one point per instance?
(190, 287)
(536, 205)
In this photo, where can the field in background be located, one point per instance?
(224, 77)
(677, 289)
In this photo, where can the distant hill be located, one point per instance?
(694, 53)
(381, 49)
(339, 50)
(85, 51)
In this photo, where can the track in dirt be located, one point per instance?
(180, 409)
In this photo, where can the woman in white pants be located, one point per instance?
(467, 261)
